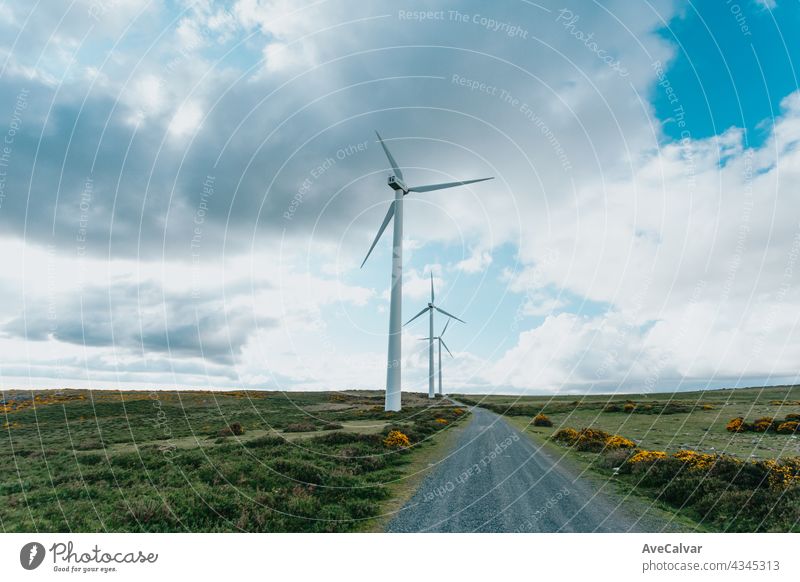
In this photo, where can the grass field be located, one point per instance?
(676, 449)
(87, 461)
(667, 421)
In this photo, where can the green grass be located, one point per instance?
(733, 493)
(674, 421)
(91, 461)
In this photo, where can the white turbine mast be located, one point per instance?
(394, 353)
(431, 370)
(440, 339)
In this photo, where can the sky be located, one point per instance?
(188, 189)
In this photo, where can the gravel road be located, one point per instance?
(497, 480)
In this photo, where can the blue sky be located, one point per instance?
(734, 64)
(190, 188)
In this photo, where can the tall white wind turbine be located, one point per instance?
(394, 353)
(440, 339)
(431, 370)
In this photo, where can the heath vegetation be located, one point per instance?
(88, 461)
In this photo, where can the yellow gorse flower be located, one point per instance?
(647, 456)
(396, 439)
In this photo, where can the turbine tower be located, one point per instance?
(440, 339)
(394, 353)
(431, 370)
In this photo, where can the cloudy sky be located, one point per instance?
(188, 188)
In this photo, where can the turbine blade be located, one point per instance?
(445, 327)
(432, 287)
(445, 347)
(397, 170)
(416, 316)
(448, 314)
(446, 185)
(386, 221)
(425, 339)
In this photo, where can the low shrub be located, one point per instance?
(396, 440)
(566, 435)
(299, 470)
(591, 439)
(343, 438)
(793, 416)
(720, 490)
(647, 456)
(695, 460)
(788, 427)
(619, 442)
(542, 420)
(629, 407)
(90, 459)
(300, 427)
(737, 425)
(783, 472)
(145, 510)
(233, 429)
(616, 459)
(266, 441)
(764, 424)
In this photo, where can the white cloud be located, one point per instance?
(186, 120)
(690, 241)
(479, 260)
(705, 252)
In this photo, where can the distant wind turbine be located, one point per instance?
(440, 339)
(394, 353)
(430, 309)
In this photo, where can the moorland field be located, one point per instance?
(96, 461)
(729, 460)
(101, 460)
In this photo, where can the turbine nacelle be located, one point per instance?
(397, 184)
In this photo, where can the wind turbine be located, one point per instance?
(440, 339)
(394, 353)
(430, 309)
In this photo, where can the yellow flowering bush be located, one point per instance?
(789, 427)
(784, 472)
(566, 435)
(619, 442)
(647, 456)
(708, 407)
(736, 425)
(629, 407)
(441, 421)
(592, 439)
(458, 411)
(593, 434)
(764, 424)
(542, 420)
(695, 460)
(396, 440)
